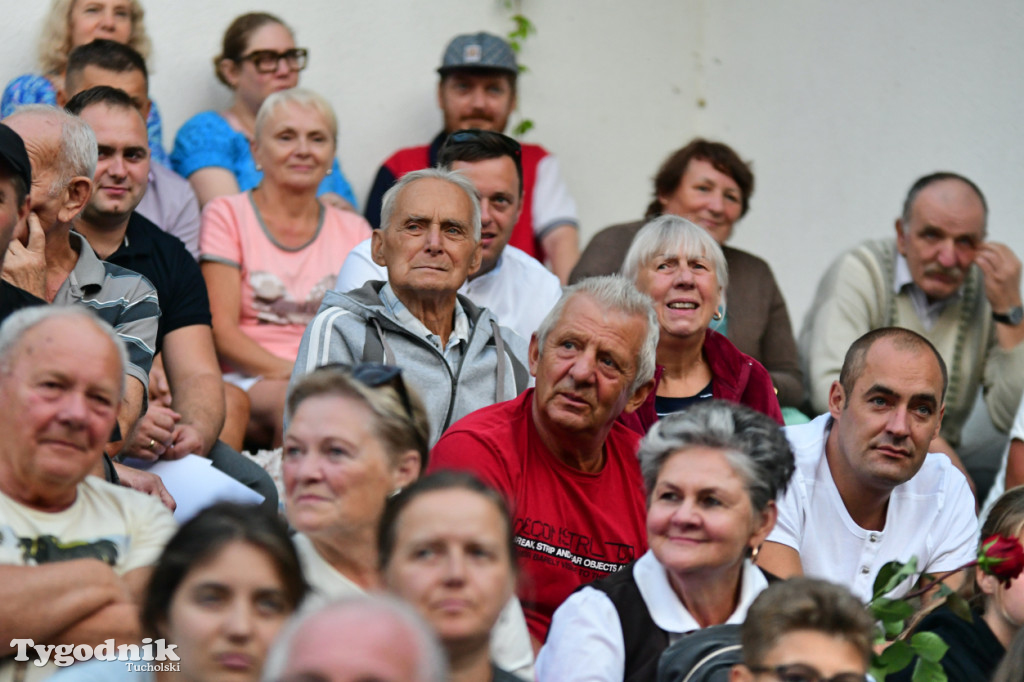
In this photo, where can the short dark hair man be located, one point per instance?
(509, 283)
(169, 201)
(941, 278)
(478, 90)
(566, 465)
(76, 551)
(866, 491)
(193, 420)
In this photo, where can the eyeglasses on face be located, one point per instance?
(266, 61)
(799, 672)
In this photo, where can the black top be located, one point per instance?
(163, 260)
(644, 642)
(665, 406)
(12, 298)
(974, 652)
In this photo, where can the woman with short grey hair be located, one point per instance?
(712, 475)
(682, 269)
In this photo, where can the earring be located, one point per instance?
(330, 170)
(394, 492)
(754, 551)
(259, 166)
(717, 315)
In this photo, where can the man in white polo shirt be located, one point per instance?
(866, 491)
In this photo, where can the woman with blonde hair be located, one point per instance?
(69, 24)
(356, 437)
(270, 254)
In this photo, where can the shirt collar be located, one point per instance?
(927, 311)
(460, 332)
(88, 271)
(667, 610)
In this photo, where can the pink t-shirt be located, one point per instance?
(281, 287)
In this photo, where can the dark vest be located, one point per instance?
(644, 640)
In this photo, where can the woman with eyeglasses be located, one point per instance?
(357, 436)
(69, 24)
(212, 149)
(270, 254)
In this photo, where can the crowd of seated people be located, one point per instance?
(550, 483)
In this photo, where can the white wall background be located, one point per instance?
(840, 104)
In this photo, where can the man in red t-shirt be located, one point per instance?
(567, 467)
(478, 90)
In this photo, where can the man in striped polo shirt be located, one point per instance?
(48, 259)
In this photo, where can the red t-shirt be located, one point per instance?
(570, 527)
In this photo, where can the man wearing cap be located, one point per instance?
(478, 90)
(15, 181)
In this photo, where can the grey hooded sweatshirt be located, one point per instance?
(356, 327)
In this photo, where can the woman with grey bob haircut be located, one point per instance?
(712, 474)
(756, 447)
(682, 269)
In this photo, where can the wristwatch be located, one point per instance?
(1012, 317)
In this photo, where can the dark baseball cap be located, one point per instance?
(478, 51)
(12, 151)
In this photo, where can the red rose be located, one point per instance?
(1002, 557)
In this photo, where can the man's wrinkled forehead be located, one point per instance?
(41, 133)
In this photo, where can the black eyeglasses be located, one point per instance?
(266, 61)
(798, 672)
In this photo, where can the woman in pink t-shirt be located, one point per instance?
(270, 254)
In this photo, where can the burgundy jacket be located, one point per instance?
(735, 376)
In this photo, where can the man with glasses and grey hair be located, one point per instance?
(558, 453)
(452, 352)
(510, 283)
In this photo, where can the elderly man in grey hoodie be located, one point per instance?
(454, 354)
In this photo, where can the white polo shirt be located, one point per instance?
(931, 516)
